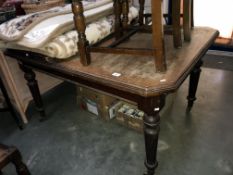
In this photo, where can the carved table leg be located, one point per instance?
(151, 107)
(193, 83)
(21, 168)
(29, 75)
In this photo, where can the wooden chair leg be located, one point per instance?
(30, 76)
(193, 84)
(21, 168)
(187, 19)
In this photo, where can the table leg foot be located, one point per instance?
(30, 76)
(151, 135)
(193, 84)
(151, 107)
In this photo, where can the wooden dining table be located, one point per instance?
(131, 77)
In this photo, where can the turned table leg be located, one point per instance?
(151, 107)
(30, 76)
(193, 83)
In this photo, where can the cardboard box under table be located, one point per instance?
(129, 116)
(95, 102)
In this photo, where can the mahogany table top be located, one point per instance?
(130, 73)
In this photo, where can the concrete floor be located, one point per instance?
(74, 142)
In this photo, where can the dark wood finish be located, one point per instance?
(125, 12)
(83, 44)
(12, 155)
(141, 11)
(145, 52)
(118, 24)
(176, 23)
(187, 19)
(10, 106)
(151, 107)
(121, 9)
(192, 15)
(30, 76)
(158, 36)
(187, 6)
(123, 38)
(136, 80)
(193, 83)
(137, 72)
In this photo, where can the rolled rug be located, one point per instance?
(65, 46)
(55, 26)
(16, 28)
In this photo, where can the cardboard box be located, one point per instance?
(92, 99)
(129, 116)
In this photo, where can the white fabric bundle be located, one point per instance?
(65, 46)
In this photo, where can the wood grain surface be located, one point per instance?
(133, 74)
(137, 73)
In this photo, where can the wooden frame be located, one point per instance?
(124, 31)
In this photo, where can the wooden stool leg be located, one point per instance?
(141, 12)
(176, 23)
(187, 19)
(125, 12)
(80, 25)
(158, 36)
(192, 15)
(21, 168)
(193, 83)
(118, 24)
(29, 75)
(151, 107)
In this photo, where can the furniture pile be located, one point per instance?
(124, 30)
(137, 61)
(51, 32)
